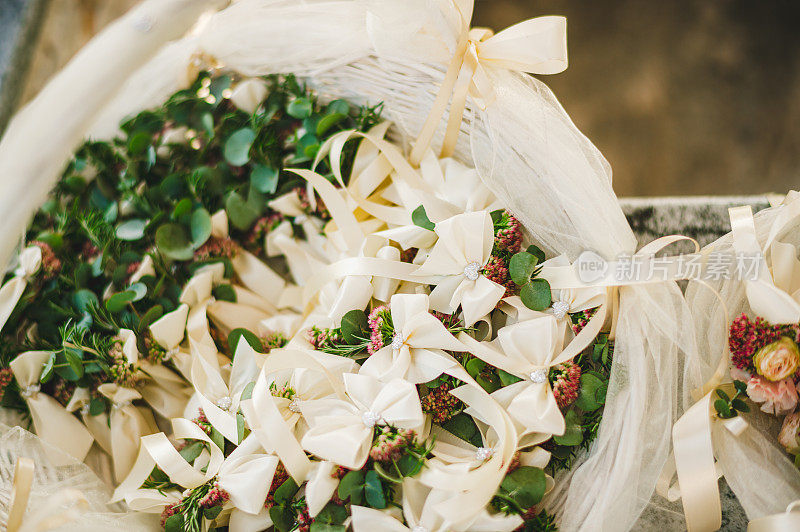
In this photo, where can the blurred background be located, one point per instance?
(684, 97)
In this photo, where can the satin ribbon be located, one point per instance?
(477, 485)
(416, 353)
(538, 46)
(20, 492)
(775, 294)
(219, 399)
(789, 521)
(157, 450)
(128, 424)
(273, 420)
(463, 249)
(531, 402)
(30, 260)
(693, 451)
(341, 431)
(161, 388)
(52, 422)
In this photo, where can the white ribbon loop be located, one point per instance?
(30, 261)
(537, 46)
(52, 422)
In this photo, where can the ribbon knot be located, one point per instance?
(30, 390)
(537, 45)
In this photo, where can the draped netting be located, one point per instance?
(525, 147)
(68, 496)
(755, 465)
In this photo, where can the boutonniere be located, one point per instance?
(458, 258)
(527, 350)
(341, 430)
(416, 352)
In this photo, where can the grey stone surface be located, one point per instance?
(20, 24)
(704, 218)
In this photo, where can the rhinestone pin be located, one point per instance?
(370, 418)
(419, 528)
(30, 390)
(224, 402)
(483, 453)
(560, 309)
(472, 271)
(294, 406)
(539, 375)
(397, 342)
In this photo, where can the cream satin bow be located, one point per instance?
(775, 293)
(288, 378)
(161, 388)
(528, 350)
(254, 274)
(569, 300)
(463, 249)
(52, 422)
(538, 46)
(341, 431)
(128, 424)
(246, 312)
(246, 474)
(457, 188)
(219, 399)
(416, 350)
(189, 320)
(321, 486)
(30, 260)
(98, 425)
(473, 474)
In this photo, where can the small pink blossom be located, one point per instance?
(779, 397)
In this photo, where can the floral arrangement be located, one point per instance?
(766, 360)
(266, 318)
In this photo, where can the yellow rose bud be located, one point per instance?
(778, 360)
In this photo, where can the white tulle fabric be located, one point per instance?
(756, 467)
(67, 496)
(523, 145)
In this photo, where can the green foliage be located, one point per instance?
(523, 267)
(727, 406)
(420, 218)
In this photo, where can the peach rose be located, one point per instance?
(789, 435)
(778, 398)
(778, 360)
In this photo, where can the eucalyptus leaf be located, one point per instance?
(131, 230)
(588, 398)
(355, 327)
(237, 147)
(237, 334)
(352, 486)
(521, 267)
(200, 227)
(573, 434)
(300, 108)
(240, 213)
(139, 290)
(173, 242)
(117, 302)
(526, 485)
(264, 178)
(373, 490)
(536, 294)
